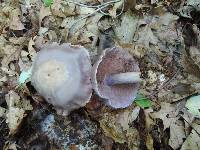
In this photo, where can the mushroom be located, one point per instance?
(61, 74)
(116, 77)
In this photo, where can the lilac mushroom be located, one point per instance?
(116, 77)
(61, 74)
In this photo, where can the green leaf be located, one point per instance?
(48, 3)
(142, 101)
(193, 105)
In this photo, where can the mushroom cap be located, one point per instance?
(61, 74)
(113, 61)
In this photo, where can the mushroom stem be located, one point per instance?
(123, 78)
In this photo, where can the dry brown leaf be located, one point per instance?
(193, 140)
(18, 40)
(92, 30)
(31, 50)
(15, 22)
(190, 68)
(44, 12)
(126, 29)
(24, 62)
(4, 19)
(148, 118)
(136, 50)
(10, 146)
(146, 37)
(16, 110)
(111, 129)
(167, 19)
(179, 89)
(40, 41)
(14, 118)
(155, 30)
(154, 1)
(188, 119)
(3, 78)
(148, 124)
(113, 11)
(68, 22)
(42, 31)
(132, 136)
(126, 117)
(12, 98)
(11, 53)
(52, 36)
(3, 42)
(74, 25)
(195, 55)
(85, 10)
(116, 126)
(177, 134)
(58, 9)
(2, 112)
(8, 71)
(167, 113)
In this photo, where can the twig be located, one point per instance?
(121, 9)
(98, 9)
(191, 126)
(166, 83)
(97, 6)
(117, 14)
(2, 121)
(87, 16)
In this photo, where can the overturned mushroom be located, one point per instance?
(116, 77)
(61, 74)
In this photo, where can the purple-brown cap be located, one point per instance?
(61, 74)
(116, 77)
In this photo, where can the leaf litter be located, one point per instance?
(164, 36)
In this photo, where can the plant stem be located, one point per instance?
(123, 78)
